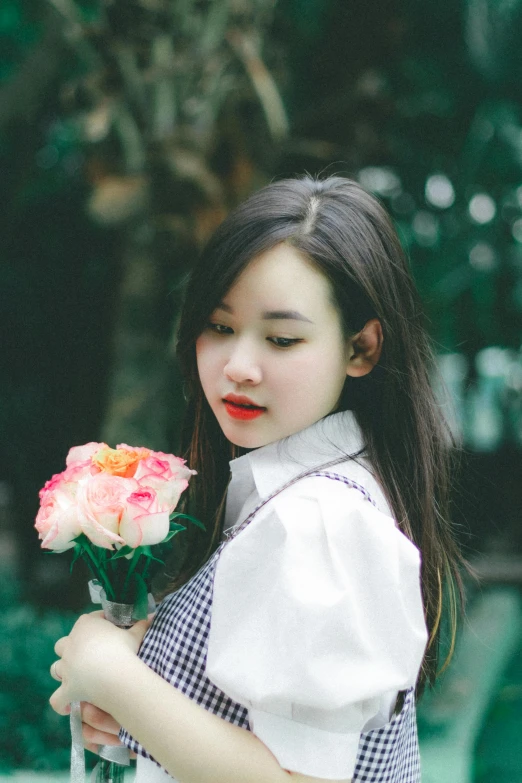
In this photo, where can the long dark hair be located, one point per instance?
(348, 235)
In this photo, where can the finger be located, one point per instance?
(59, 702)
(59, 647)
(98, 719)
(55, 671)
(93, 736)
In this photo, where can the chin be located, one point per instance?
(246, 442)
(245, 439)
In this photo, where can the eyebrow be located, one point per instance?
(274, 315)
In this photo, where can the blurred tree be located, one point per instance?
(404, 97)
(54, 355)
(493, 40)
(158, 79)
(124, 149)
(127, 129)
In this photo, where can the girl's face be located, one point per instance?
(273, 359)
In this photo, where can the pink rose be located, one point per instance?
(164, 465)
(167, 475)
(144, 521)
(101, 501)
(84, 453)
(57, 521)
(178, 466)
(67, 479)
(49, 486)
(167, 491)
(152, 466)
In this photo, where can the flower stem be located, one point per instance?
(133, 564)
(99, 571)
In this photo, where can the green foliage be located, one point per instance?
(19, 30)
(32, 735)
(125, 574)
(178, 515)
(493, 35)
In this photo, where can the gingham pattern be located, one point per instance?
(391, 754)
(176, 648)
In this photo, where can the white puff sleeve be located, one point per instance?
(317, 623)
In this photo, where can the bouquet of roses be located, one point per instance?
(112, 507)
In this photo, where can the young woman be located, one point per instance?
(296, 649)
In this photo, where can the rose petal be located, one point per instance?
(145, 530)
(97, 533)
(143, 501)
(130, 531)
(63, 528)
(83, 453)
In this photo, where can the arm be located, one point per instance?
(99, 665)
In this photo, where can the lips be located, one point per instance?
(242, 408)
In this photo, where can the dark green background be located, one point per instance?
(414, 87)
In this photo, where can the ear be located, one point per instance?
(364, 349)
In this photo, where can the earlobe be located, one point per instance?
(365, 349)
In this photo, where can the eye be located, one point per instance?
(220, 328)
(284, 342)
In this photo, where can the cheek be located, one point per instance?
(298, 381)
(200, 349)
(319, 368)
(293, 375)
(313, 380)
(205, 359)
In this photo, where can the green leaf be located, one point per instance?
(191, 519)
(195, 522)
(123, 552)
(83, 540)
(147, 552)
(172, 534)
(174, 526)
(76, 555)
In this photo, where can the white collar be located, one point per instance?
(271, 466)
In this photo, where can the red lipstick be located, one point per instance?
(242, 408)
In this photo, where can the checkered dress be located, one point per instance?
(176, 648)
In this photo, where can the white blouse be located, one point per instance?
(317, 616)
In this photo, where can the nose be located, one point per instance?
(242, 365)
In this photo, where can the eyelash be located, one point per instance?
(219, 328)
(279, 342)
(284, 342)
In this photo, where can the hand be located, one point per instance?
(99, 728)
(93, 656)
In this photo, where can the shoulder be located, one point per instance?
(343, 512)
(317, 516)
(328, 483)
(332, 495)
(340, 478)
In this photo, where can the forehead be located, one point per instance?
(281, 278)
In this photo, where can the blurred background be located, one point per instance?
(128, 129)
